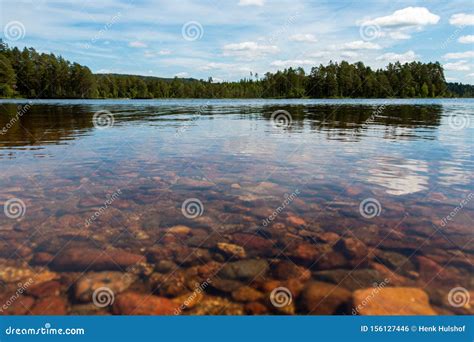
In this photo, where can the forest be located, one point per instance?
(29, 74)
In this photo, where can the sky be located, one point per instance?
(229, 39)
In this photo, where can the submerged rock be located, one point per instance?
(115, 281)
(79, 259)
(244, 269)
(246, 294)
(231, 250)
(319, 298)
(132, 303)
(392, 301)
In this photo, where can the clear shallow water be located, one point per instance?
(411, 159)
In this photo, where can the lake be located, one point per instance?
(236, 206)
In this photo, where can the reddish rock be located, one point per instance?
(296, 221)
(131, 303)
(430, 271)
(41, 259)
(392, 301)
(256, 308)
(14, 305)
(246, 294)
(253, 244)
(319, 298)
(80, 259)
(50, 306)
(286, 270)
(355, 251)
(328, 237)
(46, 289)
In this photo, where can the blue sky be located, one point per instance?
(229, 39)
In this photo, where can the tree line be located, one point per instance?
(27, 73)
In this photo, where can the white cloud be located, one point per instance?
(137, 44)
(361, 45)
(251, 2)
(457, 66)
(399, 35)
(466, 39)
(292, 62)
(249, 50)
(459, 55)
(409, 16)
(406, 57)
(307, 38)
(349, 54)
(471, 74)
(182, 74)
(462, 19)
(151, 54)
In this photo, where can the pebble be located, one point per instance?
(231, 250)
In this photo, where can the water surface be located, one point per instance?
(393, 175)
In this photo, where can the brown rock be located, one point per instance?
(296, 221)
(392, 301)
(115, 281)
(80, 259)
(132, 303)
(42, 259)
(355, 250)
(47, 289)
(328, 237)
(286, 270)
(430, 271)
(254, 244)
(319, 298)
(50, 306)
(179, 230)
(14, 305)
(246, 294)
(231, 250)
(256, 308)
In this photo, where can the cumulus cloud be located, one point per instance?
(409, 16)
(249, 50)
(137, 44)
(466, 39)
(457, 66)
(292, 62)
(462, 19)
(307, 38)
(459, 55)
(251, 2)
(361, 45)
(406, 57)
(400, 23)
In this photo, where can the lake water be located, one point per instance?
(239, 196)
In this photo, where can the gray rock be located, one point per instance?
(244, 269)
